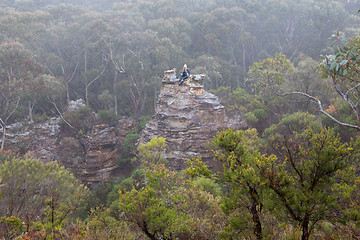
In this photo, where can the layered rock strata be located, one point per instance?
(188, 117)
(92, 157)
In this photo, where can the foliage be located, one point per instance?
(108, 117)
(238, 100)
(152, 153)
(102, 226)
(143, 207)
(302, 181)
(34, 192)
(255, 109)
(112, 54)
(342, 111)
(11, 226)
(129, 145)
(81, 120)
(291, 125)
(208, 185)
(343, 68)
(269, 73)
(165, 206)
(129, 142)
(242, 168)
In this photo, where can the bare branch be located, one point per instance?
(4, 123)
(321, 109)
(12, 112)
(60, 114)
(97, 77)
(351, 89)
(346, 98)
(73, 73)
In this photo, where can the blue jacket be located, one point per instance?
(185, 73)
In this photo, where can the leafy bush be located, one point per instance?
(108, 117)
(208, 185)
(81, 120)
(33, 191)
(259, 113)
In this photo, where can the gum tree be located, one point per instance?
(242, 166)
(307, 170)
(18, 69)
(163, 205)
(343, 68)
(34, 192)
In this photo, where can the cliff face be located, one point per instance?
(93, 157)
(188, 117)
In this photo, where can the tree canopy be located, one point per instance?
(293, 173)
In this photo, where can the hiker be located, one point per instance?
(185, 74)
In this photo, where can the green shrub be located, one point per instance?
(208, 185)
(251, 118)
(81, 120)
(108, 117)
(259, 113)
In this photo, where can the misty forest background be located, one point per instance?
(293, 174)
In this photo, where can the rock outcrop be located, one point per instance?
(93, 157)
(188, 117)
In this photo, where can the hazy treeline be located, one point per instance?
(113, 53)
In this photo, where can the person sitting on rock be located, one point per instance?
(185, 74)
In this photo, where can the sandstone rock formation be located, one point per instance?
(188, 117)
(93, 157)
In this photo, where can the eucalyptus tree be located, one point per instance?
(225, 31)
(63, 59)
(343, 67)
(63, 51)
(178, 30)
(18, 70)
(29, 28)
(242, 168)
(271, 75)
(138, 57)
(306, 176)
(91, 31)
(121, 23)
(213, 68)
(291, 27)
(34, 192)
(164, 205)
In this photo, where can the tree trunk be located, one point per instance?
(67, 92)
(85, 80)
(3, 136)
(255, 209)
(256, 220)
(305, 228)
(114, 89)
(147, 233)
(31, 108)
(86, 95)
(244, 58)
